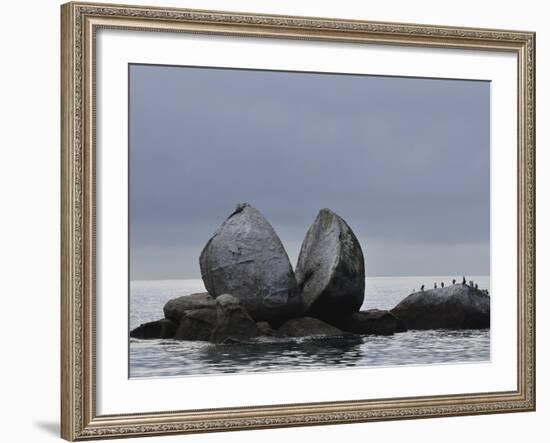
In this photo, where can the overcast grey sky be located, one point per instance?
(405, 161)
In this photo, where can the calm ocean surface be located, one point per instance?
(161, 358)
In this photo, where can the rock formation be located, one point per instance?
(331, 268)
(196, 324)
(246, 258)
(164, 328)
(265, 329)
(309, 327)
(233, 323)
(374, 321)
(254, 293)
(454, 307)
(176, 307)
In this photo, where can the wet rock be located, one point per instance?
(246, 258)
(265, 329)
(309, 327)
(453, 307)
(196, 324)
(175, 308)
(331, 268)
(233, 323)
(374, 321)
(164, 328)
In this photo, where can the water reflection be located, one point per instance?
(265, 354)
(150, 358)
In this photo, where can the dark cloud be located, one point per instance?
(404, 160)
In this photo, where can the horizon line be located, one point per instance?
(367, 276)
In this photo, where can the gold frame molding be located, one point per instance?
(79, 22)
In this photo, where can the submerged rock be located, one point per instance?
(454, 307)
(175, 308)
(373, 321)
(331, 268)
(246, 258)
(233, 323)
(196, 324)
(164, 328)
(309, 327)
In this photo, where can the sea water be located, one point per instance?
(161, 358)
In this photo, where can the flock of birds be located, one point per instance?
(471, 283)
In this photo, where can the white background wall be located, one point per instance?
(29, 218)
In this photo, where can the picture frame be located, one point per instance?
(80, 177)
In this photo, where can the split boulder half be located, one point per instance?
(245, 258)
(331, 268)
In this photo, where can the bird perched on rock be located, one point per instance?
(442, 284)
(476, 286)
(454, 281)
(435, 285)
(422, 287)
(463, 280)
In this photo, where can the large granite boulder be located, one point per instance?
(309, 327)
(453, 307)
(246, 258)
(331, 268)
(174, 309)
(196, 324)
(233, 323)
(164, 328)
(374, 321)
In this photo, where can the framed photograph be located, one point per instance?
(283, 221)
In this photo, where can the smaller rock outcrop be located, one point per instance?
(233, 323)
(196, 324)
(174, 309)
(309, 327)
(164, 328)
(374, 321)
(454, 307)
(265, 329)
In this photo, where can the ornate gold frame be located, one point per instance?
(79, 21)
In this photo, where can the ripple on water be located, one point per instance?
(160, 358)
